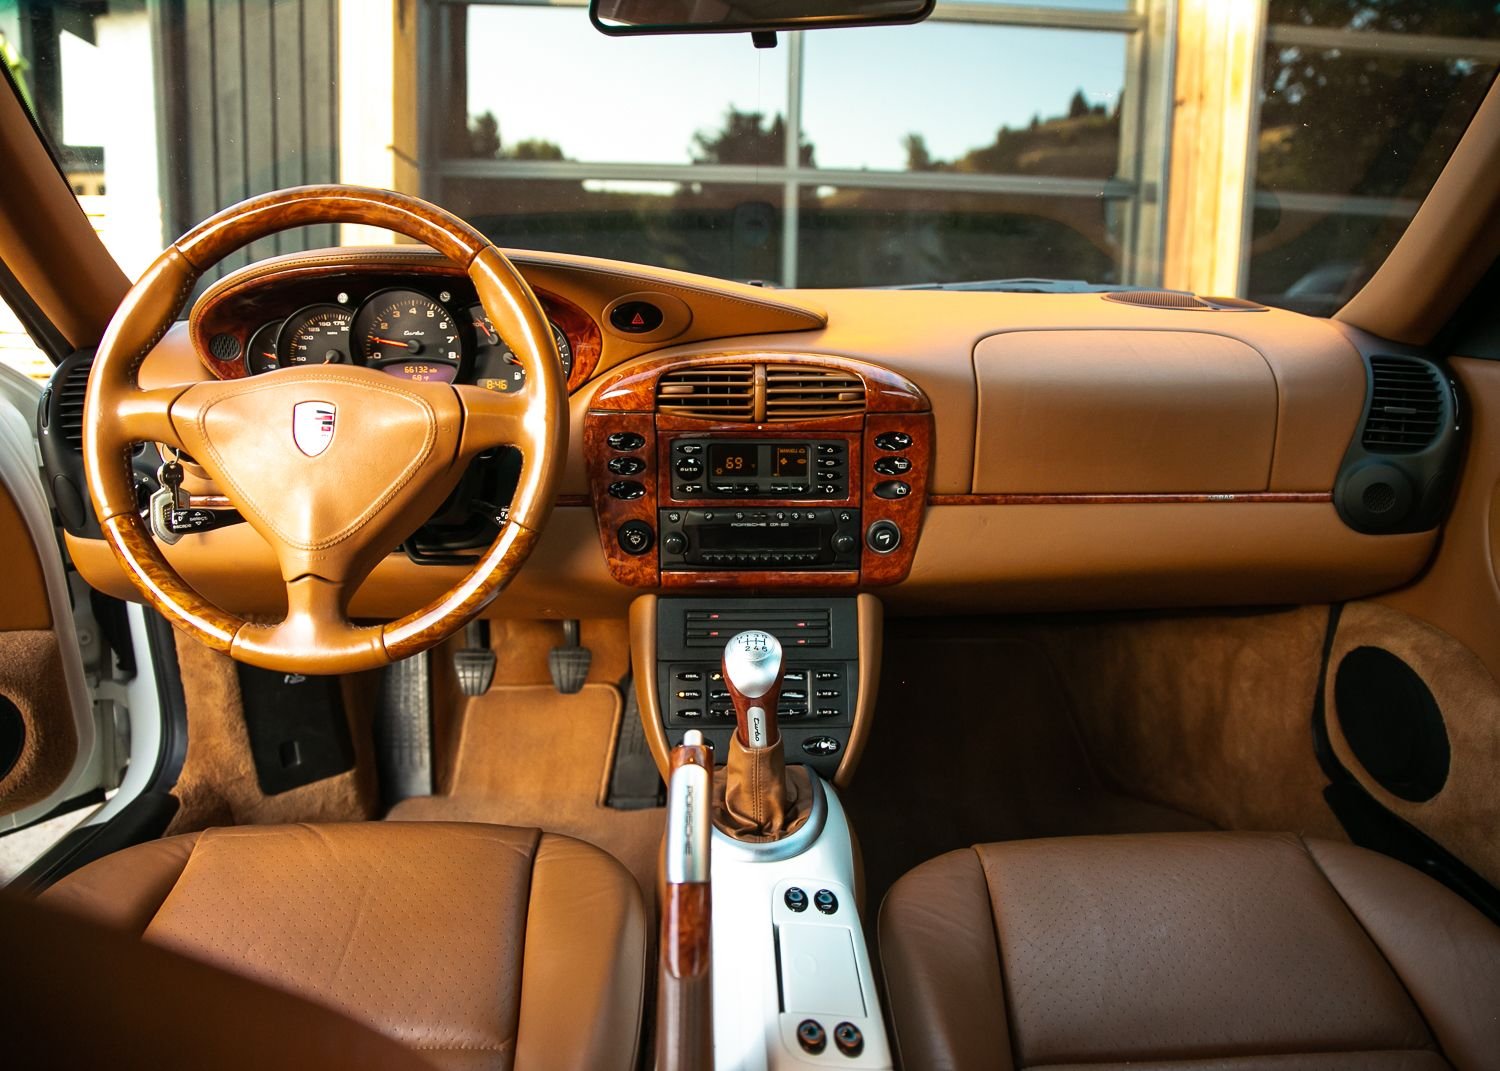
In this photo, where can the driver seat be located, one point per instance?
(479, 946)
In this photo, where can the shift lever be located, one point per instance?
(752, 675)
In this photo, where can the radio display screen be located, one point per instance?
(755, 538)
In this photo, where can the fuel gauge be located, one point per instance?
(260, 354)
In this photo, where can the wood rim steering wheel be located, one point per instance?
(384, 452)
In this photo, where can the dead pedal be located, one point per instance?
(569, 663)
(474, 663)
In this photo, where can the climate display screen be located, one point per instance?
(734, 459)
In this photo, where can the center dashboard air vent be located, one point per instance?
(1406, 406)
(759, 393)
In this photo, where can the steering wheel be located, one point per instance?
(332, 464)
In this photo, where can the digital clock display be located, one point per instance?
(734, 459)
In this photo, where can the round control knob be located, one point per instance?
(844, 542)
(848, 1038)
(689, 468)
(674, 543)
(635, 537)
(883, 537)
(811, 1036)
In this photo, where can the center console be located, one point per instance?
(749, 471)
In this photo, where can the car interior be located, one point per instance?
(424, 648)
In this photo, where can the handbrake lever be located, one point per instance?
(684, 1011)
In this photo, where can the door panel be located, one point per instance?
(46, 725)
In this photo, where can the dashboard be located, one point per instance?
(953, 451)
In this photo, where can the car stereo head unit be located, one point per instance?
(760, 468)
(764, 538)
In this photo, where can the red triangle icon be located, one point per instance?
(637, 320)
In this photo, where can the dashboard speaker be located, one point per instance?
(1377, 495)
(12, 736)
(1392, 723)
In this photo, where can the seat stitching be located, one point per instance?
(1410, 997)
(1005, 992)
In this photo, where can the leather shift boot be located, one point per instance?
(757, 798)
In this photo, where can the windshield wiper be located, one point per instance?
(1018, 286)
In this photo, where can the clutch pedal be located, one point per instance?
(570, 662)
(475, 661)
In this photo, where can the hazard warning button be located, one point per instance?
(635, 317)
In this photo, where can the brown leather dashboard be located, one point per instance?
(1073, 452)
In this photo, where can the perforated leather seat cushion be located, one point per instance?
(1186, 950)
(481, 946)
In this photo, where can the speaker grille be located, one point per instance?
(1392, 723)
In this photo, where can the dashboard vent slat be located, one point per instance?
(70, 394)
(1406, 406)
(797, 393)
(718, 392)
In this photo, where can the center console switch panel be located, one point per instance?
(821, 641)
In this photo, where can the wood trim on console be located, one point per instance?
(1128, 499)
(628, 402)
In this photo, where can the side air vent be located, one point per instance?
(760, 392)
(70, 393)
(796, 393)
(1406, 406)
(718, 392)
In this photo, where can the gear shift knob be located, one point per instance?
(752, 675)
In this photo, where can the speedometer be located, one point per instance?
(409, 335)
(318, 334)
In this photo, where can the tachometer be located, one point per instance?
(318, 334)
(495, 364)
(409, 335)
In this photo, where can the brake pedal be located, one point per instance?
(570, 662)
(475, 662)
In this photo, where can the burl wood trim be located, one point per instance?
(1127, 499)
(908, 512)
(686, 930)
(634, 389)
(636, 570)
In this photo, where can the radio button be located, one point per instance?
(883, 537)
(626, 489)
(674, 543)
(690, 712)
(690, 675)
(687, 448)
(635, 537)
(892, 441)
(829, 712)
(829, 462)
(892, 489)
(820, 745)
(892, 466)
(825, 449)
(843, 542)
(625, 440)
(829, 489)
(690, 489)
(626, 466)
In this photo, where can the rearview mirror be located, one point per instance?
(622, 17)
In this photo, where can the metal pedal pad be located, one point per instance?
(475, 662)
(569, 664)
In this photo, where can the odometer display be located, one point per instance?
(409, 335)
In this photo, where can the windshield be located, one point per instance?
(1270, 151)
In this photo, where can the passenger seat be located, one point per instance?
(1244, 951)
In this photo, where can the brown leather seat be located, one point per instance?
(479, 946)
(1256, 952)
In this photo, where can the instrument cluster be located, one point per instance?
(406, 333)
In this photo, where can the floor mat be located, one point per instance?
(527, 756)
(973, 742)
